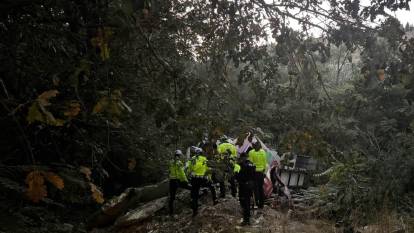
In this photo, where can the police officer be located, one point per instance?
(228, 155)
(245, 175)
(226, 146)
(217, 165)
(235, 168)
(178, 179)
(258, 157)
(199, 178)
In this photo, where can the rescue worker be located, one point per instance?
(178, 179)
(275, 178)
(232, 176)
(279, 188)
(199, 172)
(216, 164)
(258, 157)
(228, 154)
(236, 169)
(223, 171)
(246, 179)
(225, 146)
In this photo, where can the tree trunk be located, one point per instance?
(141, 213)
(129, 199)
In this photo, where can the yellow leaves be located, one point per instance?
(132, 163)
(101, 105)
(112, 105)
(97, 194)
(72, 110)
(36, 190)
(101, 41)
(34, 114)
(39, 112)
(44, 98)
(55, 180)
(86, 171)
(35, 181)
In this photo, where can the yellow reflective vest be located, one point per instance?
(259, 159)
(236, 168)
(223, 147)
(198, 167)
(177, 171)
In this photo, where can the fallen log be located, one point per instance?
(129, 199)
(143, 212)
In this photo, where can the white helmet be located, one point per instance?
(178, 152)
(198, 150)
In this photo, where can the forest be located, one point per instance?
(96, 95)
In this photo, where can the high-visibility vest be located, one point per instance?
(198, 167)
(236, 168)
(177, 171)
(223, 147)
(259, 159)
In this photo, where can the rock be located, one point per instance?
(66, 227)
(141, 213)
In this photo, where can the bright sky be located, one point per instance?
(405, 16)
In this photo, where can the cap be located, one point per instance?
(178, 152)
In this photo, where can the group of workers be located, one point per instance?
(218, 164)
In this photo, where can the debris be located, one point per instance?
(141, 213)
(66, 228)
(129, 199)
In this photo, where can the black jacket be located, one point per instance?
(247, 172)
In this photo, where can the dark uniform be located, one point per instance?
(245, 178)
(258, 158)
(228, 155)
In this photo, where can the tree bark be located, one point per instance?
(141, 213)
(129, 199)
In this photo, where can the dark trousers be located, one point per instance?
(196, 184)
(258, 189)
(174, 185)
(222, 189)
(245, 194)
(233, 187)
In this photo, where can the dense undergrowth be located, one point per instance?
(96, 94)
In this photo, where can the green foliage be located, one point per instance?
(100, 84)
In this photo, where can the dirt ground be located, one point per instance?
(225, 217)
